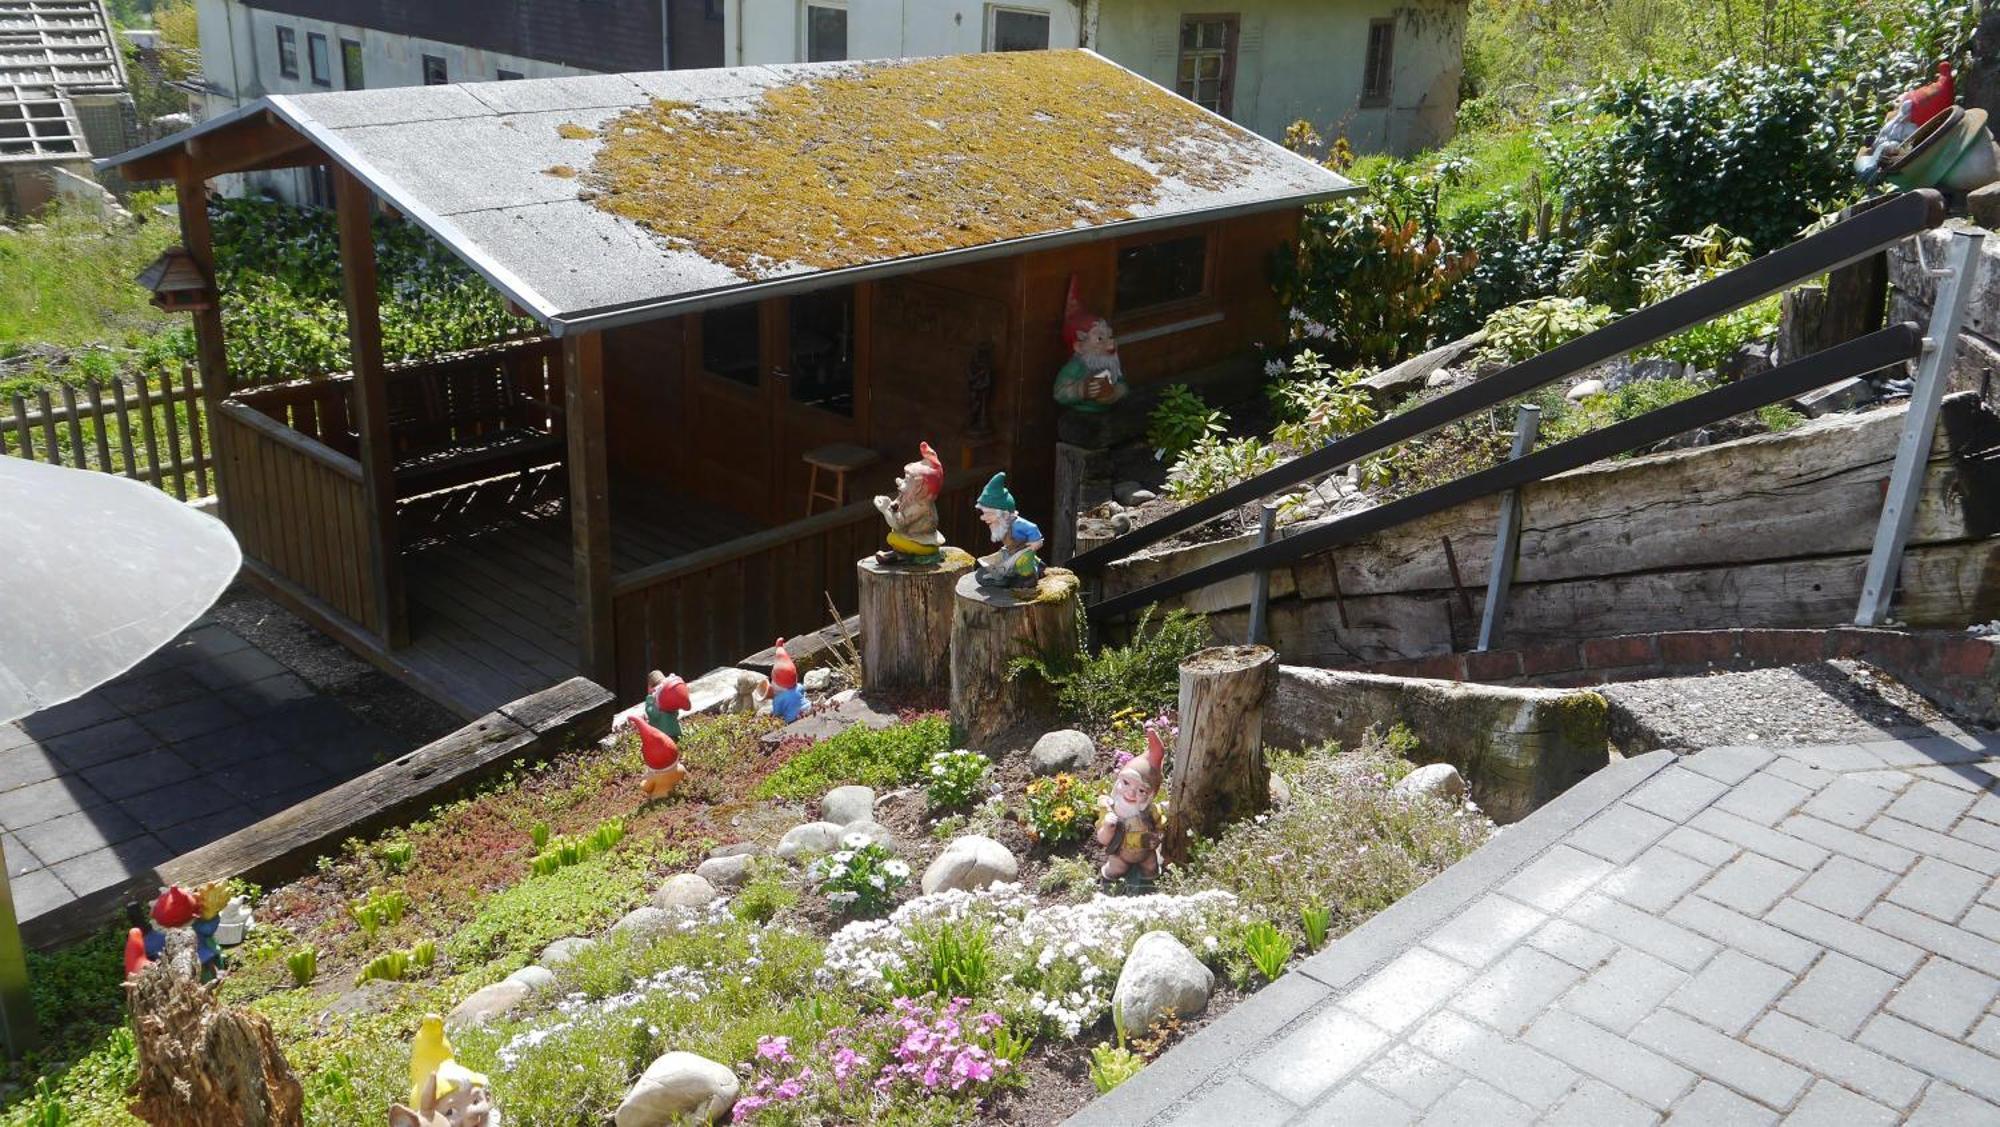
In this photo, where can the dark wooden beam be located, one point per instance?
(354, 204)
(265, 141)
(211, 360)
(589, 502)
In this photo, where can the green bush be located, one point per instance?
(1366, 278)
(860, 877)
(1316, 404)
(1060, 808)
(1696, 259)
(1214, 464)
(1533, 327)
(1143, 675)
(1181, 419)
(1628, 402)
(764, 895)
(952, 960)
(881, 758)
(954, 778)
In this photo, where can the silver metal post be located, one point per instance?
(17, 1008)
(1507, 538)
(1913, 449)
(1260, 583)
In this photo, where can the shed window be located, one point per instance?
(729, 344)
(434, 71)
(505, 75)
(288, 52)
(821, 360)
(1379, 67)
(351, 69)
(1017, 29)
(1207, 74)
(1162, 273)
(320, 59)
(826, 33)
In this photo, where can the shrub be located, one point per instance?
(396, 855)
(954, 960)
(1628, 402)
(861, 877)
(1061, 808)
(954, 778)
(1143, 675)
(1366, 276)
(1179, 420)
(1698, 258)
(1112, 1064)
(1214, 464)
(764, 895)
(881, 758)
(1533, 327)
(1314, 920)
(1316, 404)
(1269, 949)
(1778, 418)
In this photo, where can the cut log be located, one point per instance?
(906, 621)
(204, 1064)
(1219, 773)
(989, 629)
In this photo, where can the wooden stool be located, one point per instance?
(838, 459)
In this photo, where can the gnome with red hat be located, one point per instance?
(1131, 826)
(664, 769)
(1090, 380)
(912, 513)
(666, 699)
(788, 698)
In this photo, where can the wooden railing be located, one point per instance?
(297, 508)
(150, 430)
(709, 608)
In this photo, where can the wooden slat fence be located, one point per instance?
(152, 430)
(712, 607)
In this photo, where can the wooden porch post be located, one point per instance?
(354, 205)
(589, 503)
(210, 360)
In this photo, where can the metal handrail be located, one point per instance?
(1870, 228)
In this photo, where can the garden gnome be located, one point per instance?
(136, 958)
(443, 1093)
(1091, 379)
(1130, 827)
(664, 769)
(666, 699)
(1017, 563)
(788, 700)
(912, 513)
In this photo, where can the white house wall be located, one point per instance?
(772, 31)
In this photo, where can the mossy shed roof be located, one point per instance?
(601, 200)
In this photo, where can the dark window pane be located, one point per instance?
(508, 75)
(288, 52)
(1020, 31)
(434, 72)
(729, 344)
(350, 64)
(826, 34)
(1161, 273)
(319, 59)
(822, 350)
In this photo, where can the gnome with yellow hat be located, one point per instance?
(443, 1093)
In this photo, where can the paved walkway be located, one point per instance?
(209, 734)
(1742, 936)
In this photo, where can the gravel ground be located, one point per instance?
(1824, 702)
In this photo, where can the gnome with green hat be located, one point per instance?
(1016, 564)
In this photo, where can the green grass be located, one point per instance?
(884, 758)
(69, 280)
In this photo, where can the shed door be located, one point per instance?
(728, 433)
(820, 390)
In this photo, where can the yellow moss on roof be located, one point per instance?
(898, 159)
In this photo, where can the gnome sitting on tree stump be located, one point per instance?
(1017, 563)
(912, 513)
(1091, 379)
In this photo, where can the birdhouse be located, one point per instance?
(177, 282)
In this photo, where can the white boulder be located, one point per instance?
(844, 806)
(813, 837)
(642, 923)
(685, 890)
(564, 951)
(1160, 977)
(970, 862)
(679, 1088)
(726, 872)
(875, 832)
(487, 1003)
(1437, 780)
(1064, 749)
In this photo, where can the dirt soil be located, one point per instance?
(1824, 702)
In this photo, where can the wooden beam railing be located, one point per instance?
(709, 608)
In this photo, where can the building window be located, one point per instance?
(826, 33)
(1207, 74)
(1379, 67)
(505, 75)
(1154, 274)
(729, 344)
(821, 353)
(319, 59)
(1016, 29)
(288, 52)
(434, 72)
(350, 64)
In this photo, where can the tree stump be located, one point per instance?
(906, 621)
(204, 1064)
(992, 627)
(1219, 773)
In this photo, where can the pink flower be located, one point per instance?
(775, 1048)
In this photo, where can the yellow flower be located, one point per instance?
(1065, 814)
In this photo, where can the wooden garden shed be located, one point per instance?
(734, 270)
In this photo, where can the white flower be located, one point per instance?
(897, 869)
(854, 841)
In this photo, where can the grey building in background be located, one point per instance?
(63, 99)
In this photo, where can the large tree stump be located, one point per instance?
(1219, 773)
(906, 621)
(204, 1064)
(989, 629)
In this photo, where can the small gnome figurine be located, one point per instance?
(443, 1091)
(172, 941)
(664, 769)
(788, 699)
(1091, 379)
(1017, 563)
(912, 513)
(1131, 827)
(666, 699)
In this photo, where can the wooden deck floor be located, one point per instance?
(491, 599)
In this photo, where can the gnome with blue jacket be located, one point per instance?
(1017, 563)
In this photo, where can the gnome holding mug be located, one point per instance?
(1130, 828)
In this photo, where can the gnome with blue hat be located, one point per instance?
(1016, 564)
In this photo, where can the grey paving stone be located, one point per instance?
(1939, 889)
(1412, 985)
(233, 669)
(236, 745)
(1315, 1057)
(1514, 991)
(1792, 766)
(1976, 777)
(1763, 798)
(1833, 1055)
(1474, 1102)
(1619, 833)
(13, 736)
(1676, 793)
(1946, 1106)
(1556, 878)
(1232, 1103)
(1931, 805)
(1944, 996)
(1414, 1077)
(20, 766)
(189, 719)
(38, 892)
(1578, 946)
(1731, 991)
(101, 868)
(1845, 887)
(1839, 994)
(1753, 1072)
(1828, 1105)
(1728, 764)
(1597, 1104)
(84, 711)
(1849, 938)
(136, 696)
(180, 802)
(1712, 1105)
(268, 775)
(1752, 883)
(1649, 933)
(1985, 835)
(1753, 937)
(196, 832)
(1522, 1072)
(1759, 839)
(1850, 843)
(1832, 757)
(1982, 921)
(1956, 1064)
(1625, 990)
(1926, 751)
(1638, 1072)
(1986, 1035)
(1848, 802)
(136, 774)
(1706, 848)
(1656, 879)
(1931, 843)
(1354, 1102)
(1925, 932)
(1894, 780)
(259, 697)
(20, 859)
(39, 802)
(1484, 930)
(73, 835)
(101, 743)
